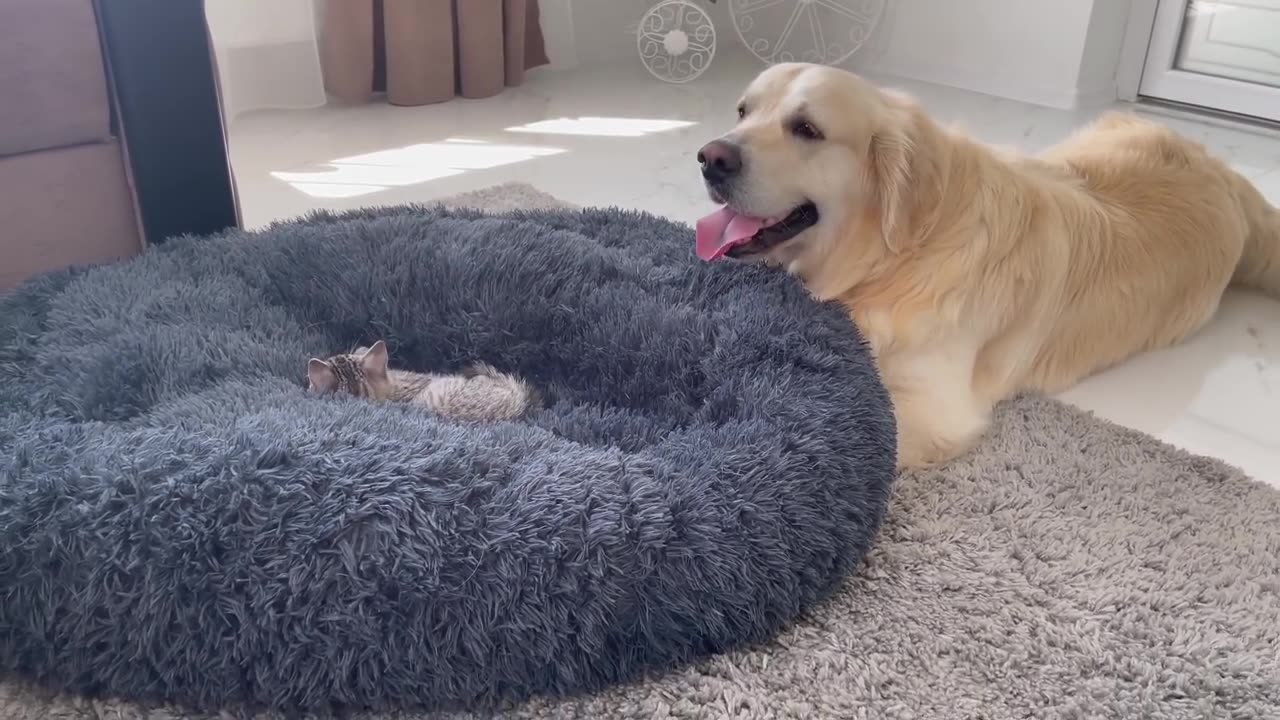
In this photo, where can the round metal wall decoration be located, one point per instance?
(814, 31)
(676, 40)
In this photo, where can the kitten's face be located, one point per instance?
(362, 373)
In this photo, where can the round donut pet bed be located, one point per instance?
(181, 520)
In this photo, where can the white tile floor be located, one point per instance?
(614, 136)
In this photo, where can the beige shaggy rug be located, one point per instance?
(1068, 568)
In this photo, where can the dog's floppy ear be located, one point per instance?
(891, 161)
(902, 174)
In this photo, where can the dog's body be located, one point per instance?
(976, 274)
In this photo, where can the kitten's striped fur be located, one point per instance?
(479, 393)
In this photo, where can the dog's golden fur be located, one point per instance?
(976, 274)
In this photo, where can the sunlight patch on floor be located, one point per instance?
(601, 126)
(368, 173)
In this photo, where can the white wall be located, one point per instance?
(266, 54)
(1061, 53)
(558, 32)
(605, 30)
(1103, 51)
(1027, 50)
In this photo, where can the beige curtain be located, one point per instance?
(427, 51)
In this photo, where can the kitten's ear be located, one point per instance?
(320, 376)
(374, 362)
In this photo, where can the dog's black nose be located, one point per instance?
(720, 160)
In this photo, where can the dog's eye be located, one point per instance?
(742, 111)
(806, 130)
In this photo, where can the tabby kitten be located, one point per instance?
(478, 393)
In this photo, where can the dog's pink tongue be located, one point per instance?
(723, 229)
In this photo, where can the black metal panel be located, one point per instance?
(169, 114)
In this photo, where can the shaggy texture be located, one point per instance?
(180, 520)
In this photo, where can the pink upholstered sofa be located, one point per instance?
(65, 193)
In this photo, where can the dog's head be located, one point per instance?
(817, 153)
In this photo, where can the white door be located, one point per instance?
(1217, 54)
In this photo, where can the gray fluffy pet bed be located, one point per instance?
(180, 520)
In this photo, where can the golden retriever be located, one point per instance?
(973, 273)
